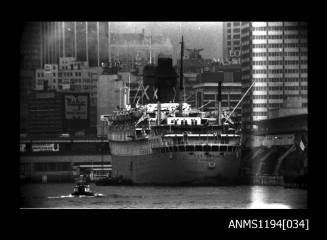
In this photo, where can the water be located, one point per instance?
(238, 197)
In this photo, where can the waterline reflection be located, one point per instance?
(267, 198)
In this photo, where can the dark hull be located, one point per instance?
(83, 194)
(178, 168)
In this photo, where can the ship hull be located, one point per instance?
(171, 168)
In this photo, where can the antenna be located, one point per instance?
(109, 39)
(181, 66)
(219, 102)
(129, 88)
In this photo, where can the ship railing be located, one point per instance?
(200, 135)
(198, 147)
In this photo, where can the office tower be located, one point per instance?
(274, 57)
(231, 41)
(30, 42)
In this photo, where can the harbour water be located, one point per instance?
(154, 197)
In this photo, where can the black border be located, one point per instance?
(165, 222)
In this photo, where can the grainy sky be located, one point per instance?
(206, 35)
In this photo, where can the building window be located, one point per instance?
(236, 30)
(275, 96)
(263, 71)
(237, 36)
(260, 88)
(259, 36)
(259, 96)
(275, 88)
(275, 36)
(274, 105)
(291, 36)
(260, 105)
(292, 88)
(259, 113)
(259, 45)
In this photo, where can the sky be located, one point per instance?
(206, 35)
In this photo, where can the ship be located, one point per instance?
(164, 142)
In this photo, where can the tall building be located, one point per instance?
(46, 42)
(274, 57)
(231, 41)
(30, 42)
(45, 112)
(54, 112)
(73, 76)
(26, 85)
(108, 98)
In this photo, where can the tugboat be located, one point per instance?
(82, 188)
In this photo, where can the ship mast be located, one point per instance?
(219, 102)
(151, 48)
(181, 87)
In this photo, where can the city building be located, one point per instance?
(47, 78)
(54, 113)
(45, 112)
(108, 98)
(206, 90)
(274, 58)
(193, 62)
(27, 82)
(113, 94)
(193, 65)
(73, 76)
(232, 42)
(93, 42)
(30, 42)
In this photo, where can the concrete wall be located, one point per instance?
(108, 97)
